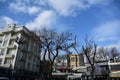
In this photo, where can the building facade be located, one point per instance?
(75, 60)
(19, 49)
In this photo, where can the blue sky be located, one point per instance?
(99, 19)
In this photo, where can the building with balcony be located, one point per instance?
(19, 49)
(75, 60)
(68, 63)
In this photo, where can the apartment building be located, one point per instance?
(19, 49)
(75, 60)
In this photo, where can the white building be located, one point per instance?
(19, 48)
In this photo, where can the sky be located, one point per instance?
(99, 19)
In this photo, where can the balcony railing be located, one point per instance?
(13, 37)
(1, 38)
(7, 65)
(1, 54)
(7, 30)
(18, 29)
(12, 46)
(9, 56)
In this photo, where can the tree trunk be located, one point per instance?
(92, 73)
(49, 75)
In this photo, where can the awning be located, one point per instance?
(64, 68)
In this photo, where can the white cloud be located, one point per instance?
(107, 31)
(40, 2)
(46, 18)
(103, 39)
(24, 7)
(62, 7)
(18, 7)
(33, 9)
(66, 7)
(117, 45)
(6, 20)
(69, 7)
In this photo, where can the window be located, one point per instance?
(73, 65)
(7, 36)
(34, 59)
(77, 58)
(15, 34)
(73, 59)
(28, 65)
(10, 51)
(1, 37)
(5, 43)
(11, 42)
(32, 46)
(8, 61)
(29, 46)
(0, 43)
(115, 67)
(29, 57)
(2, 52)
(34, 67)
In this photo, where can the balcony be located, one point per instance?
(7, 65)
(13, 37)
(1, 33)
(10, 56)
(18, 29)
(7, 30)
(2, 53)
(1, 38)
(12, 46)
(2, 47)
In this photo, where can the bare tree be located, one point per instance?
(113, 54)
(52, 44)
(61, 59)
(102, 54)
(89, 49)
